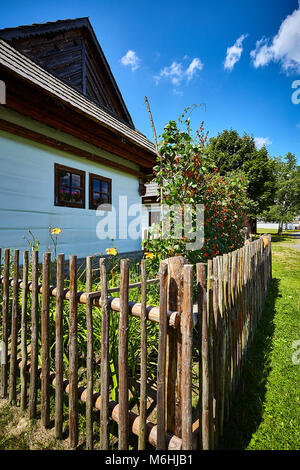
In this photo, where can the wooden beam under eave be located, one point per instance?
(44, 108)
(62, 146)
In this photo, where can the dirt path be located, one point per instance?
(295, 236)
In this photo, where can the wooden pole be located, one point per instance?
(222, 270)
(104, 405)
(89, 358)
(34, 337)
(14, 332)
(211, 348)
(173, 358)
(59, 388)
(161, 366)
(201, 268)
(73, 355)
(24, 333)
(217, 339)
(200, 303)
(5, 312)
(45, 407)
(187, 363)
(143, 390)
(123, 356)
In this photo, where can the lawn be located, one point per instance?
(266, 409)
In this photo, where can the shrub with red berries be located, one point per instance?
(187, 176)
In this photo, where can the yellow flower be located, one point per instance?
(111, 251)
(149, 255)
(56, 231)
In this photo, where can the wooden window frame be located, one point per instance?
(150, 221)
(107, 206)
(57, 167)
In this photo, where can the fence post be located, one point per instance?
(73, 355)
(161, 364)
(104, 417)
(123, 357)
(45, 377)
(59, 365)
(173, 359)
(24, 332)
(14, 332)
(187, 362)
(5, 311)
(34, 337)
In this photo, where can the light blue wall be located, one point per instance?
(27, 199)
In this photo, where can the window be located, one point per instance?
(100, 191)
(154, 217)
(69, 187)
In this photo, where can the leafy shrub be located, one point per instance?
(185, 175)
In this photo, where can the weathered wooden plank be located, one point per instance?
(73, 355)
(161, 365)
(14, 332)
(89, 358)
(59, 387)
(104, 405)
(235, 317)
(143, 388)
(34, 337)
(228, 359)
(222, 274)
(187, 363)
(211, 348)
(123, 356)
(5, 319)
(216, 332)
(201, 269)
(173, 360)
(23, 370)
(45, 386)
(200, 303)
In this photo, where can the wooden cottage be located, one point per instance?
(67, 141)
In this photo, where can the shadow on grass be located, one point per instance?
(284, 237)
(247, 405)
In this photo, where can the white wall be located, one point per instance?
(267, 225)
(27, 199)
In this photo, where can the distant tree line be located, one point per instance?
(273, 184)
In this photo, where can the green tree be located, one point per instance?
(287, 193)
(187, 177)
(231, 152)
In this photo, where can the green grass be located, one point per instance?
(265, 413)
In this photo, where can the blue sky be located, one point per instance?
(240, 58)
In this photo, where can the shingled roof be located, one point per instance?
(63, 48)
(21, 66)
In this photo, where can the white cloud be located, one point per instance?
(177, 72)
(284, 48)
(195, 65)
(174, 73)
(234, 53)
(261, 141)
(131, 59)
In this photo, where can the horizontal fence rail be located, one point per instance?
(60, 342)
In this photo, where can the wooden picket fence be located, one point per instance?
(210, 335)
